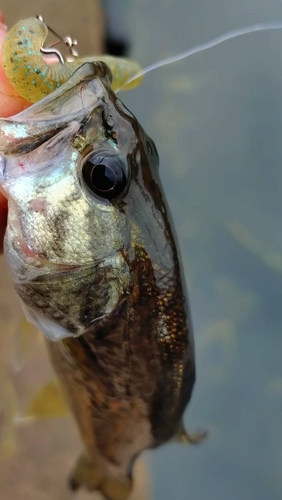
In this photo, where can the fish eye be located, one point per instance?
(105, 175)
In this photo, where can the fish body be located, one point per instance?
(92, 252)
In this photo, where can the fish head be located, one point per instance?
(80, 176)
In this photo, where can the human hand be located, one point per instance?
(11, 103)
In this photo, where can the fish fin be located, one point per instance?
(182, 436)
(49, 402)
(94, 476)
(26, 337)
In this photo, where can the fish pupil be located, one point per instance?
(105, 176)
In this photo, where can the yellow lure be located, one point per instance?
(33, 78)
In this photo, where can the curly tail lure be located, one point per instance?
(33, 78)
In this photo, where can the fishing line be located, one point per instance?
(204, 46)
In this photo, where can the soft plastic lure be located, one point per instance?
(33, 78)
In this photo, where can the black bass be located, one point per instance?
(92, 252)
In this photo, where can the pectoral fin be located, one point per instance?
(182, 436)
(26, 337)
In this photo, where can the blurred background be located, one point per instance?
(216, 119)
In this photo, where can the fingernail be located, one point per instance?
(3, 26)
